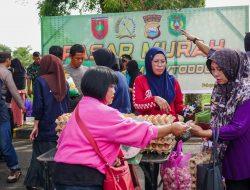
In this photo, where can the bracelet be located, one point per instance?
(194, 40)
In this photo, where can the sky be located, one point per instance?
(20, 25)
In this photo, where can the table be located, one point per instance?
(47, 158)
(154, 158)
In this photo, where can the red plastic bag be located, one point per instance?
(175, 172)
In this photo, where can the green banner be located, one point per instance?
(134, 33)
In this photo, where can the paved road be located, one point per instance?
(24, 147)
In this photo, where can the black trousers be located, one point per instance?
(238, 185)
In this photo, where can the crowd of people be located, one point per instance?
(116, 86)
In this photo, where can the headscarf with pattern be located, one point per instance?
(226, 97)
(51, 69)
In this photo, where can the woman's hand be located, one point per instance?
(35, 130)
(34, 133)
(163, 104)
(189, 36)
(178, 128)
(197, 131)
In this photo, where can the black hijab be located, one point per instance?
(18, 74)
(133, 71)
(105, 57)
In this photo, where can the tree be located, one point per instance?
(24, 55)
(56, 7)
(64, 7)
(146, 5)
(4, 48)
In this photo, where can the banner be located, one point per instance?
(134, 33)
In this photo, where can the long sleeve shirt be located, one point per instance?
(109, 129)
(121, 100)
(144, 102)
(236, 162)
(46, 109)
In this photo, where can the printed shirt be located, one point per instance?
(33, 71)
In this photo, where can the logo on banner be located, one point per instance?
(125, 27)
(176, 22)
(152, 26)
(99, 27)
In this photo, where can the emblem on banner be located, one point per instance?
(152, 26)
(125, 27)
(99, 27)
(176, 22)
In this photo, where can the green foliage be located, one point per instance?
(199, 99)
(56, 7)
(194, 98)
(64, 7)
(145, 5)
(24, 55)
(4, 48)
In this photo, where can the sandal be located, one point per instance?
(14, 176)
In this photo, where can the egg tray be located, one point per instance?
(162, 145)
(61, 122)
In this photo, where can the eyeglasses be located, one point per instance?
(159, 62)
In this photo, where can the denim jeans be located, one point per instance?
(7, 147)
(69, 187)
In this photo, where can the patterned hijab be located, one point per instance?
(51, 70)
(162, 85)
(226, 97)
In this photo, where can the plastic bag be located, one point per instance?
(73, 91)
(175, 172)
(28, 107)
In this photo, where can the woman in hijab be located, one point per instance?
(157, 92)
(105, 57)
(50, 101)
(133, 72)
(19, 77)
(230, 104)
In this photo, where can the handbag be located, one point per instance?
(116, 178)
(209, 175)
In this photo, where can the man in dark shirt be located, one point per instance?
(6, 146)
(33, 72)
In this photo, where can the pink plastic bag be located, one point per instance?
(175, 172)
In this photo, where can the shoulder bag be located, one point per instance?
(209, 175)
(116, 178)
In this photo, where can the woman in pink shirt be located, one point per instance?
(77, 164)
